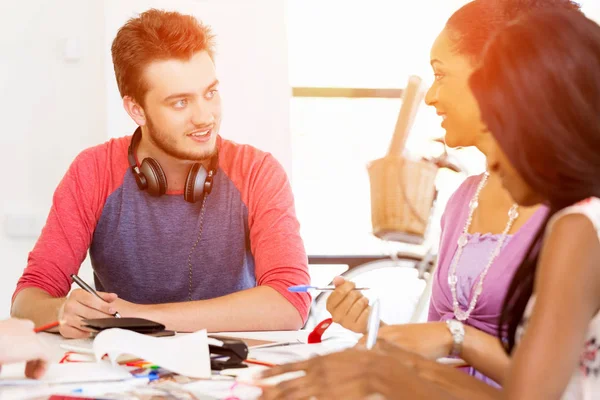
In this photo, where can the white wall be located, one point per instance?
(53, 108)
(591, 8)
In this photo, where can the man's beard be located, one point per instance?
(167, 144)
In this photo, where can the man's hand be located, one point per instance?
(82, 305)
(348, 307)
(432, 340)
(18, 342)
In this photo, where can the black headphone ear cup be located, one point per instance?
(194, 183)
(155, 177)
(140, 180)
(208, 183)
(188, 191)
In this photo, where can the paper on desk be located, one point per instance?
(65, 373)
(185, 355)
(299, 352)
(248, 377)
(224, 389)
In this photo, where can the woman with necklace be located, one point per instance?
(484, 233)
(538, 88)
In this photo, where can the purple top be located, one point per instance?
(475, 257)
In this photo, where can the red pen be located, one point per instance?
(46, 327)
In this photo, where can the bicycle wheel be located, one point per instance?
(395, 282)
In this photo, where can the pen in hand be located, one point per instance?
(88, 289)
(373, 325)
(308, 288)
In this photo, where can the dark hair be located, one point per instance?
(472, 25)
(538, 88)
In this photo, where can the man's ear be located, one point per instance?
(135, 111)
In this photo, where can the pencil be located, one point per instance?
(46, 327)
(257, 362)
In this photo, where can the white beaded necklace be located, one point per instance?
(513, 214)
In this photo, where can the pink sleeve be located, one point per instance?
(66, 237)
(278, 250)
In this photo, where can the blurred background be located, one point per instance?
(297, 80)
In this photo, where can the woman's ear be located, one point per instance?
(484, 140)
(483, 129)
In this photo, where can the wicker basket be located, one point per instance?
(402, 195)
(402, 190)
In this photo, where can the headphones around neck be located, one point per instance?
(151, 177)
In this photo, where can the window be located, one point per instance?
(340, 44)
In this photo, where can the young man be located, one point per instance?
(183, 227)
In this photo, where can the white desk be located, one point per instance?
(334, 340)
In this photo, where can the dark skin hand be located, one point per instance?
(386, 371)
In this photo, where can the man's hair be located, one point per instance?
(153, 36)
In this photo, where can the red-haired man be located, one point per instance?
(183, 227)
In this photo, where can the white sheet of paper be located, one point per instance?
(248, 377)
(84, 346)
(224, 389)
(299, 352)
(65, 373)
(186, 354)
